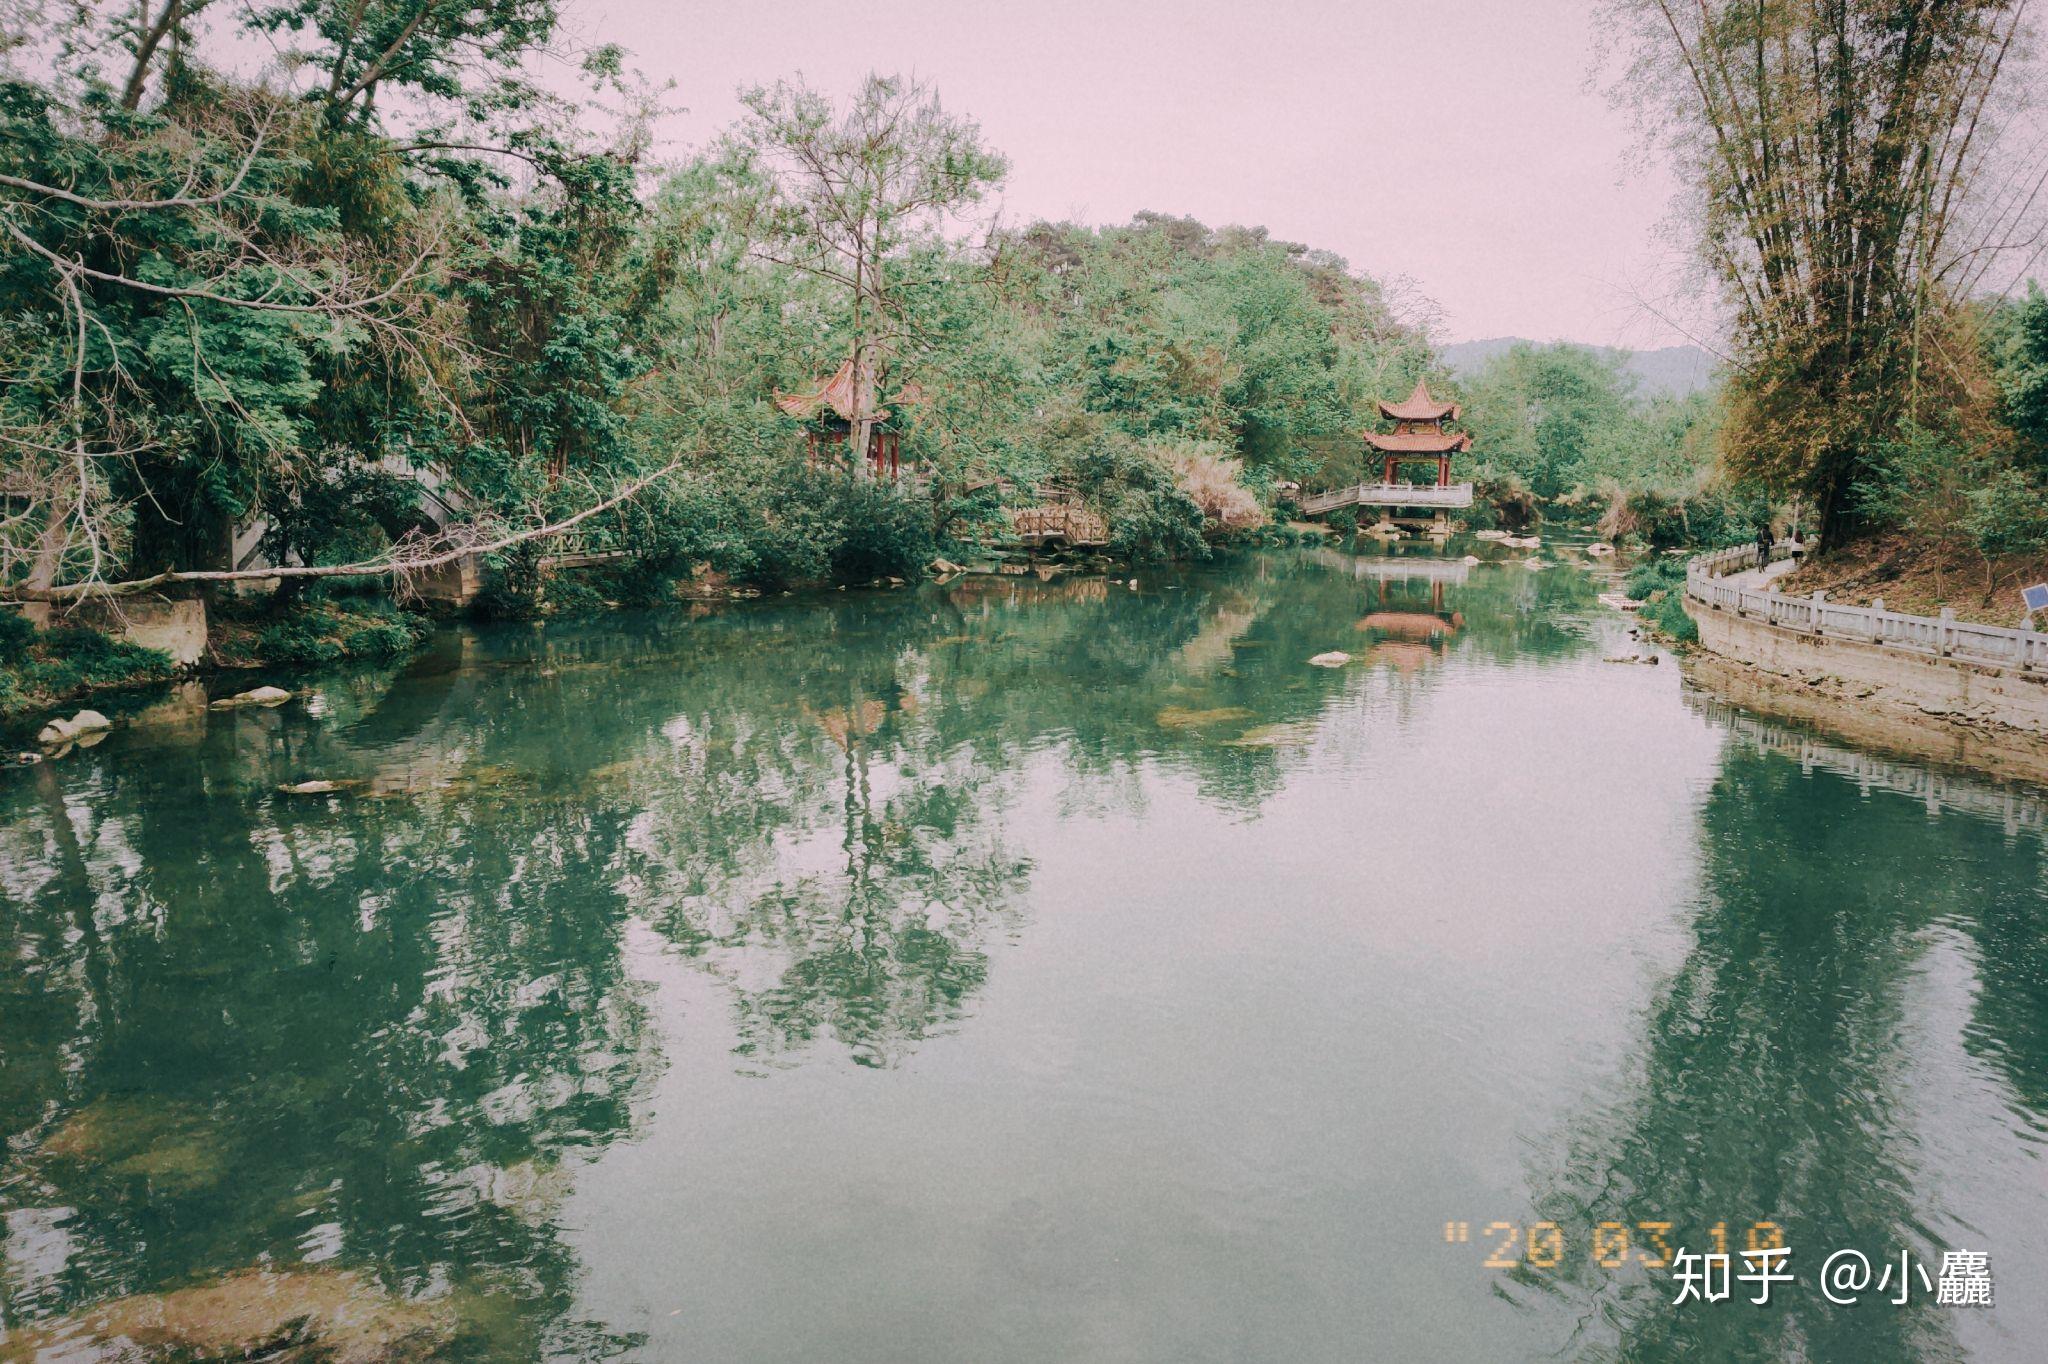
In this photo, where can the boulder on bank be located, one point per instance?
(260, 696)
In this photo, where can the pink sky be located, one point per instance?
(1456, 142)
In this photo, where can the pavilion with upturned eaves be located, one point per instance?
(1419, 434)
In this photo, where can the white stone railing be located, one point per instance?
(1389, 495)
(1933, 636)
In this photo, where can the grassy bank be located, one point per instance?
(44, 669)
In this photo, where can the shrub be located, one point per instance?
(2007, 516)
(1668, 615)
(300, 642)
(1344, 520)
(41, 666)
(1215, 485)
(380, 639)
(1150, 515)
(1653, 576)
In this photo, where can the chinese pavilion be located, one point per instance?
(827, 412)
(1419, 434)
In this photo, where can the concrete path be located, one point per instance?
(1758, 580)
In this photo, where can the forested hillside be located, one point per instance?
(232, 304)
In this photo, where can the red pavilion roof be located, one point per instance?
(835, 391)
(1420, 407)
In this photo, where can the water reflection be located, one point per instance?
(1799, 1067)
(381, 1035)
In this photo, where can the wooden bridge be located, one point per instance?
(1388, 495)
(1038, 527)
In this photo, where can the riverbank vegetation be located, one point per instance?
(388, 304)
(1865, 196)
(249, 321)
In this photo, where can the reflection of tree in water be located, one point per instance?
(1772, 1085)
(375, 1030)
(240, 1028)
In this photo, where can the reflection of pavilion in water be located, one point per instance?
(1406, 612)
(1404, 634)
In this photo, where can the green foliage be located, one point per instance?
(1920, 479)
(1561, 419)
(39, 667)
(2007, 515)
(312, 633)
(1150, 515)
(1669, 616)
(2016, 344)
(1344, 520)
(1654, 575)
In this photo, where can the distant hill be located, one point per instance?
(1676, 370)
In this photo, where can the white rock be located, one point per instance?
(89, 720)
(310, 788)
(57, 732)
(261, 696)
(1599, 551)
(1336, 658)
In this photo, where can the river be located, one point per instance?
(1025, 970)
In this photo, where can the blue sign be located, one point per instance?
(2036, 597)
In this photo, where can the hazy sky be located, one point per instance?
(1455, 142)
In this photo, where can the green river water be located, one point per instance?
(1018, 971)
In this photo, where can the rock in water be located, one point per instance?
(57, 732)
(1336, 658)
(261, 696)
(320, 787)
(87, 720)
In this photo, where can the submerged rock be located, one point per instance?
(260, 696)
(1181, 717)
(318, 787)
(172, 1148)
(1336, 658)
(327, 1314)
(1285, 734)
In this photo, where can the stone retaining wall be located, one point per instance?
(1870, 677)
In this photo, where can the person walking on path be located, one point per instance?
(1763, 547)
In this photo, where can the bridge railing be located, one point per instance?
(1389, 495)
(1940, 636)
